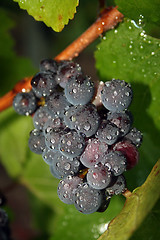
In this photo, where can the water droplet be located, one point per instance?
(115, 31)
(152, 53)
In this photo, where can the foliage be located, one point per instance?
(54, 14)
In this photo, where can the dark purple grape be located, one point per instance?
(56, 104)
(66, 70)
(40, 117)
(48, 156)
(86, 120)
(2, 199)
(52, 123)
(48, 65)
(54, 173)
(3, 218)
(68, 116)
(116, 95)
(65, 166)
(105, 202)
(108, 132)
(118, 187)
(115, 161)
(87, 200)
(98, 177)
(135, 136)
(122, 120)
(43, 84)
(25, 103)
(79, 90)
(72, 144)
(36, 141)
(93, 151)
(67, 187)
(52, 138)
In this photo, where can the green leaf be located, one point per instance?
(54, 14)
(136, 208)
(144, 12)
(149, 229)
(14, 141)
(13, 68)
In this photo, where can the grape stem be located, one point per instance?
(107, 20)
(127, 194)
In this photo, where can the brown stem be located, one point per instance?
(107, 20)
(127, 194)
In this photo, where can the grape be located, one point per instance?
(79, 90)
(52, 138)
(52, 123)
(87, 199)
(40, 117)
(72, 144)
(67, 69)
(129, 151)
(36, 141)
(3, 218)
(122, 120)
(25, 103)
(115, 162)
(67, 188)
(135, 136)
(64, 166)
(48, 65)
(56, 104)
(93, 152)
(98, 177)
(118, 187)
(105, 202)
(48, 155)
(2, 199)
(108, 132)
(68, 116)
(116, 95)
(43, 84)
(54, 173)
(86, 120)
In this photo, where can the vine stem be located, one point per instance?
(107, 20)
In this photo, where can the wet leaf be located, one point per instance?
(145, 12)
(136, 208)
(54, 14)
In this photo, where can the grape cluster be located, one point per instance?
(87, 147)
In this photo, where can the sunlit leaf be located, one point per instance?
(54, 14)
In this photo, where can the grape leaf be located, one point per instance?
(54, 14)
(145, 12)
(136, 208)
(149, 229)
(14, 141)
